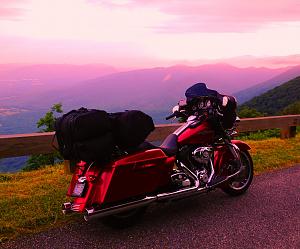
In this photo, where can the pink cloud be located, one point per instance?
(8, 9)
(217, 15)
(10, 13)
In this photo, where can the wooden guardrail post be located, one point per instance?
(288, 132)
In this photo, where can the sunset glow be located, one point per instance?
(140, 33)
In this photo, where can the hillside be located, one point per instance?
(274, 101)
(250, 92)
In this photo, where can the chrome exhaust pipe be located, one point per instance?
(92, 213)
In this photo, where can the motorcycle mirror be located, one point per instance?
(182, 102)
(224, 101)
(175, 108)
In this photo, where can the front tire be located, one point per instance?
(239, 184)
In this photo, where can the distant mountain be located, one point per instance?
(274, 101)
(150, 89)
(19, 82)
(12, 164)
(248, 93)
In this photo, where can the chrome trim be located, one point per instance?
(235, 150)
(181, 129)
(212, 171)
(226, 179)
(189, 172)
(186, 125)
(191, 118)
(81, 179)
(75, 207)
(66, 207)
(182, 192)
(90, 167)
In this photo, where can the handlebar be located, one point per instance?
(211, 110)
(171, 116)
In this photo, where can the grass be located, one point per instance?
(259, 135)
(274, 153)
(30, 201)
(263, 134)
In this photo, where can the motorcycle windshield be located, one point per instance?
(200, 90)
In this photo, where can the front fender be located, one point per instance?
(242, 145)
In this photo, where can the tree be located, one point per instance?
(246, 112)
(46, 124)
(291, 109)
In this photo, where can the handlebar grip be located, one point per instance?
(171, 116)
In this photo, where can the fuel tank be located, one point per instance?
(202, 134)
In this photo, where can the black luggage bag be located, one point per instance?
(131, 128)
(84, 134)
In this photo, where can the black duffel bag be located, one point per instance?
(81, 130)
(98, 148)
(131, 128)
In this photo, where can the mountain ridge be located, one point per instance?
(250, 92)
(151, 88)
(274, 101)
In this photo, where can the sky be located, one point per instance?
(140, 33)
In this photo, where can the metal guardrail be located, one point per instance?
(41, 143)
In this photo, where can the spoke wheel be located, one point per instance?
(241, 182)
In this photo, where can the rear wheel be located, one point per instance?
(241, 182)
(124, 219)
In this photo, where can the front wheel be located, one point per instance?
(241, 182)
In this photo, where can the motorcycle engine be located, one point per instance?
(203, 157)
(198, 160)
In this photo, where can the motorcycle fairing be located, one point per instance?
(202, 133)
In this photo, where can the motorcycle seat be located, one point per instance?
(169, 146)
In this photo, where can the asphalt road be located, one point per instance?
(267, 216)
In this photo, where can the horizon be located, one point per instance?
(282, 62)
(142, 34)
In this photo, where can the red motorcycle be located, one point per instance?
(198, 157)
